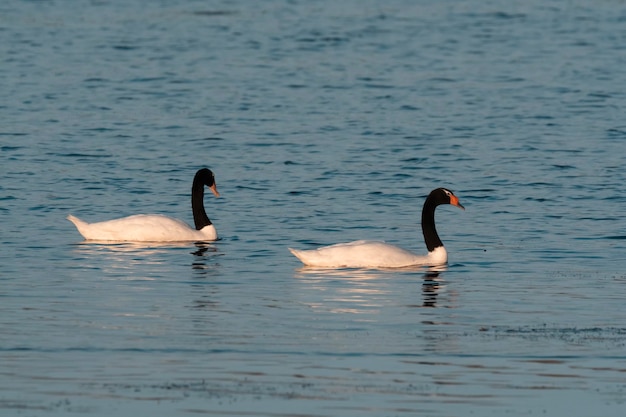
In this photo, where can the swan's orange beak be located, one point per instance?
(213, 189)
(454, 200)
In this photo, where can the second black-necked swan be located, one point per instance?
(372, 254)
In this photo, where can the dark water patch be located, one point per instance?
(13, 134)
(234, 389)
(244, 187)
(269, 144)
(415, 159)
(31, 406)
(321, 39)
(376, 86)
(99, 129)
(10, 148)
(400, 175)
(615, 335)
(208, 139)
(335, 87)
(214, 13)
(147, 79)
(96, 80)
(440, 79)
(499, 15)
(83, 155)
(615, 133)
(541, 184)
(125, 47)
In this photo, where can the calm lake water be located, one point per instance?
(324, 122)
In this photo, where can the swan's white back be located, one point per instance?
(143, 228)
(368, 254)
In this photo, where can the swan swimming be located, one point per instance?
(372, 254)
(157, 227)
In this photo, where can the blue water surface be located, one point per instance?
(324, 122)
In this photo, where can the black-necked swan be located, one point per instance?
(371, 254)
(157, 227)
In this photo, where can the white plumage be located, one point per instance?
(368, 254)
(372, 254)
(143, 228)
(157, 227)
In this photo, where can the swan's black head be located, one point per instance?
(205, 177)
(440, 196)
(436, 197)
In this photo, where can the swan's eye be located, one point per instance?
(448, 193)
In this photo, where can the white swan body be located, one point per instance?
(368, 254)
(372, 254)
(157, 227)
(143, 228)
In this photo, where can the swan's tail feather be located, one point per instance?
(75, 220)
(81, 225)
(298, 254)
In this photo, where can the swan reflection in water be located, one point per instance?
(202, 254)
(120, 256)
(431, 286)
(366, 290)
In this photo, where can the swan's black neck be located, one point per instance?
(431, 238)
(202, 178)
